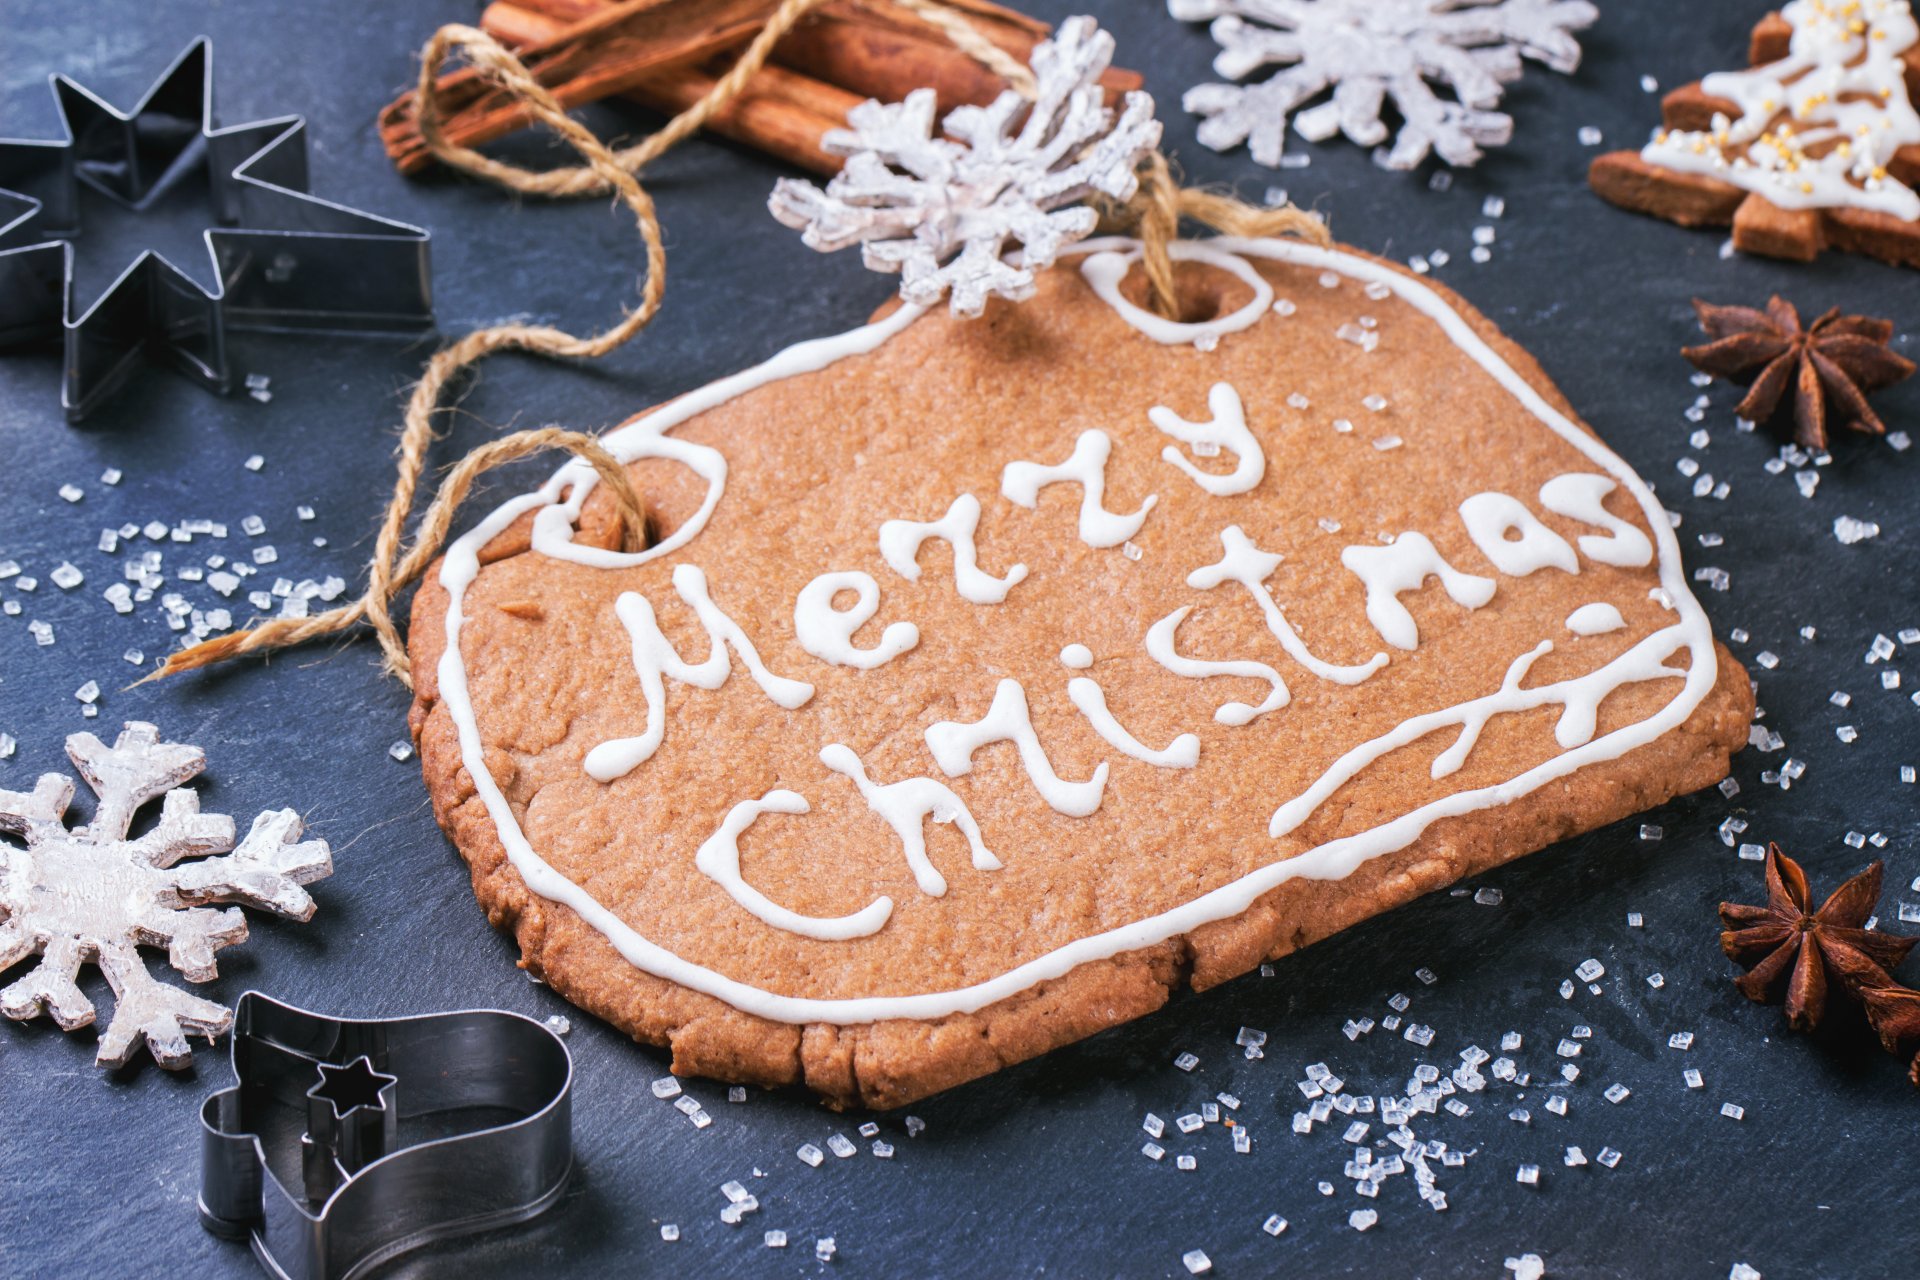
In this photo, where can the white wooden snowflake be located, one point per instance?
(941, 211)
(1368, 51)
(89, 894)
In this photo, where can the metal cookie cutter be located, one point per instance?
(283, 260)
(347, 1142)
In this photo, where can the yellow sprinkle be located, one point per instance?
(1806, 187)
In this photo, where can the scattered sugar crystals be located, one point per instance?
(841, 1146)
(1693, 1078)
(810, 1154)
(666, 1087)
(1590, 970)
(1527, 1174)
(1196, 1262)
(1741, 1271)
(1274, 1225)
(1362, 1219)
(1153, 1151)
(670, 1231)
(1608, 1157)
(1528, 1266)
(1186, 1164)
(824, 1249)
(1733, 1110)
(403, 750)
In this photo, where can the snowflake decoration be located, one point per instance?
(941, 210)
(1367, 51)
(90, 894)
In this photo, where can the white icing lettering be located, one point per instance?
(1577, 496)
(1579, 699)
(1160, 649)
(1595, 620)
(1008, 720)
(1246, 564)
(1228, 429)
(900, 542)
(827, 632)
(1490, 517)
(654, 657)
(719, 858)
(905, 806)
(1182, 753)
(1086, 466)
(1403, 565)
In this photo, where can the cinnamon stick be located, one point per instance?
(666, 53)
(606, 53)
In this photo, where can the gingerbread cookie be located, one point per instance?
(1816, 146)
(988, 679)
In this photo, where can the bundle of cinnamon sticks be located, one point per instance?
(666, 55)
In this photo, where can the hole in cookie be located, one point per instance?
(1205, 292)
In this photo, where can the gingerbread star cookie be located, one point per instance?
(989, 679)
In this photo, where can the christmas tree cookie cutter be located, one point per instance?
(346, 1142)
(282, 260)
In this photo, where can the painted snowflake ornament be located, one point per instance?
(946, 212)
(1367, 52)
(90, 894)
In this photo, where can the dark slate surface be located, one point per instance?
(1036, 1170)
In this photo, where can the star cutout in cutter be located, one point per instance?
(349, 1088)
(283, 260)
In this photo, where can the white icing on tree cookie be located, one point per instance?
(900, 542)
(1818, 128)
(906, 805)
(1077, 656)
(827, 632)
(1577, 496)
(1246, 564)
(1160, 649)
(1182, 753)
(1227, 430)
(719, 858)
(1490, 517)
(1402, 565)
(1086, 466)
(1008, 720)
(1595, 620)
(655, 658)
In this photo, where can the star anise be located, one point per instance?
(1838, 358)
(1784, 942)
(1895, 1014)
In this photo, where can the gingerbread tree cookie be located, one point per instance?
(1817, 145)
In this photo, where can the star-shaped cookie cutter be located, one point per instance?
(283, 260)
(346, 1142)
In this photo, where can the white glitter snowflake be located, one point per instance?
(89, 894)
(1368, 51)
(941, 210)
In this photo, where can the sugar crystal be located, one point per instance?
(1196, 1261)
(811, 1154)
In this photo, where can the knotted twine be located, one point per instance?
(1153, 214)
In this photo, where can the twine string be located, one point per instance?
(1154, 213)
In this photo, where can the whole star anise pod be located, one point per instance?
(1785, 942)
(1838, 358)
(1895, 1014)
